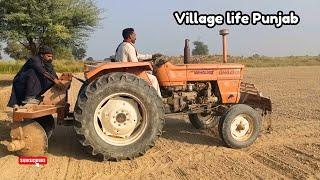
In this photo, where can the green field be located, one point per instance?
(12, 67)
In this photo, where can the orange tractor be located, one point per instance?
(119, 115)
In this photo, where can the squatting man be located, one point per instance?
(35, 77)
(126, 52)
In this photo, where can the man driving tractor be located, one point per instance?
(35, 77)
(126, 52)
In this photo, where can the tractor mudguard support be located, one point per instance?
(250, 95)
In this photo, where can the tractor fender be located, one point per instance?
(251, 96)
(139, 69)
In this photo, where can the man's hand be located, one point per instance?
(154, 56)
(59, 84)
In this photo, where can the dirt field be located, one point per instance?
(291, 150)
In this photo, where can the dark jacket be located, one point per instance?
(34, 78)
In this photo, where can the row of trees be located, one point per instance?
(17, 51)
(200, 48)
(65, 25)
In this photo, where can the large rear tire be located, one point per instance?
(240, 126)
(118, 116)
(203, 120)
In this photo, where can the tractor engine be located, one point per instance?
(193, 97)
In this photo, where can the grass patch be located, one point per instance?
(12, 67)
(256, 60)
(4, 98)
(68, 66)
(264, 61)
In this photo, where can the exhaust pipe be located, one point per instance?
(186, 57)
(224, 33)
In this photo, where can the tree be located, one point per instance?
(79, 53)
(255, 56)
(57, 23)
(0, 51)
(200, 48)
(16, 51)
(63, 53)
(89, 59)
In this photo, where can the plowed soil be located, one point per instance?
(290, 151)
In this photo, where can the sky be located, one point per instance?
(158, 32)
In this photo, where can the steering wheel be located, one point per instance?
(157, 62)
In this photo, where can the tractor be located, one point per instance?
(119, 115)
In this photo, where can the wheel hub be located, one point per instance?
(240, 127)
(119, 117)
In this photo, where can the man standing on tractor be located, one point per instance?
(126, 52)
(35, 77)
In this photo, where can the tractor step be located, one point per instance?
(66, 122)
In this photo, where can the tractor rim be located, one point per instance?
(120, 119)
(241, 127)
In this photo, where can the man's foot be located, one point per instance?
(31, 100)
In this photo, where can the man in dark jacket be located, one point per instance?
(35, 77)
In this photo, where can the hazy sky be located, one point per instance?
(157, 30)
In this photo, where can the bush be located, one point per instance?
(12, 67)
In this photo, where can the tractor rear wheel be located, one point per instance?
(240, 126)
(118, 116)
(203, 120)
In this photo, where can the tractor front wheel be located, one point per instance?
(240, 126)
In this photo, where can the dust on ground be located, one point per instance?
(291, 150)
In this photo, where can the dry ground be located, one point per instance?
(291, 150)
